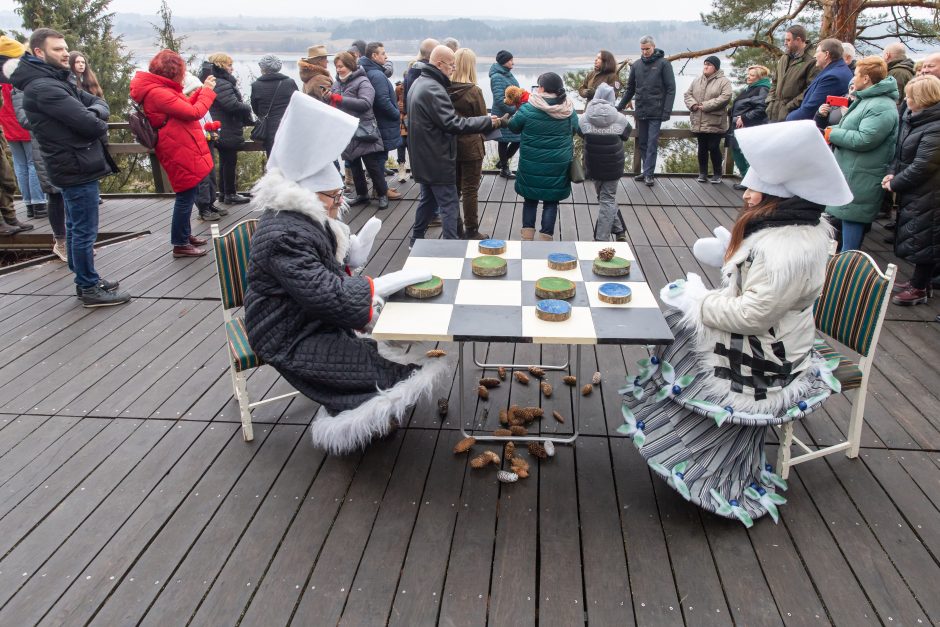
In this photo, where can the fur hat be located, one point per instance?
(269, 64)
(792, 159)
(503, 57)
(311, 135)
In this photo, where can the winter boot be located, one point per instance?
(474, 234)
(30, 211)
(40, 210)
(906, 286)
(104, 284)
(402, 173)
(910, 296)
(236, 199)
(198, 241)
(620, 237)
(6, 229)
(545, 237)
(383, 201)
(527, 234)
(506, 173)
(702, 177)
(208, 216)
(348, 178)
(95, 296)
(188, 251)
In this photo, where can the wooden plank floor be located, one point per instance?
(128, 497)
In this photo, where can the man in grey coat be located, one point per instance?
(432, 124)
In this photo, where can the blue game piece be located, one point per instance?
(553, 310)
(493, 243)
(615, 293)
(561, 258)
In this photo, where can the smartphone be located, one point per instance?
(837, 101)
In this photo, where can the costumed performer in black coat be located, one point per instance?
(305, 310)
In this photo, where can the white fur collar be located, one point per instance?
(788, 251)
(276, 193)
(10, 66)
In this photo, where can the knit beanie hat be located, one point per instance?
(190, 83)
(714, 61)
(552, 83)
(605, 92)
(503, 57)
(269, 64)
(11, 48)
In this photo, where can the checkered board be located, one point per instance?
(502, 309)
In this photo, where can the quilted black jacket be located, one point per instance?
(229, 108)
(301, 308)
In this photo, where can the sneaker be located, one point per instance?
(236, 199)
(648, 180)
(209, 216)
(108, 286)
(219, 210)
(96, 297)
(715, 180)
(198, 241)
(506, 173)
(188, 251)
(702, 178)
(354, 201)
(383, 202)
(909, 297)
(639, 177)
(58, 249)
(402, 173)
(389, 172)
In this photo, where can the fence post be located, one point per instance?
(636, 156)
(160, 182)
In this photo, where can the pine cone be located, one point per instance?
(489, 382)
(483, 393)
(484, 459)
(436, 352)
(546, 388)
(529, 414)
(503, 417)
(558, 417)
(518, 463)
(569, 380)
(596, 379)
(501, 372)
(587, 389)
(607, 253)
(537, 450)
(505, 476)
(550, 448)
(521, 377)
(442, 406)
(523, 474)
(536, 372)
(464, 445)
(518, 430)
(502, 432)
(509, 450)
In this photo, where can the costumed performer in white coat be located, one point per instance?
(305, 310)
(743, 359)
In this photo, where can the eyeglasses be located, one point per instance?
(334, 196)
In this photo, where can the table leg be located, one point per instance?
(485, 365)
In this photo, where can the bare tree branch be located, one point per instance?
(737, 43)
(785, 18)
(887, 4)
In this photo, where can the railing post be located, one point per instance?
(636, 156)
(160, 182)
(729, 160)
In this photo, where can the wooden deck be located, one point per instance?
(128, 497)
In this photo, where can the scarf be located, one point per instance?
(559, 111)
(793, 211)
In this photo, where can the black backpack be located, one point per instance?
(143, 131)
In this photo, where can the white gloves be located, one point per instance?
(360, 244)
(388, 284)
(711, 250)
(685, 294)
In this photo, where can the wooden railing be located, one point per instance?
(162, 185)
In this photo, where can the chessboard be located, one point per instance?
(502, 309)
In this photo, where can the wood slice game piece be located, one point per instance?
(552, 310)
(488, 266)
(562, 261)
(492, 246)
(554, 287)
(614, 293)
(617, 266)
(426, 289)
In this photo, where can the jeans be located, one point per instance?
(181, 228)
(430, 199)
(228, 163)
(549, 213)
(375, 164)
(709, 146)
(468, 176)
(56, 206)
(26, 176)
(609, 219)
(205, 193)
(81, 231)
(647, 144)
(853, 234)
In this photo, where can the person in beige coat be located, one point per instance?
(708, 98)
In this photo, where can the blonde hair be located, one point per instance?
(762, 70)
(923, 91)
(466, 71)
(873, 67)
(220, 59)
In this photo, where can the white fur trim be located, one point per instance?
(276, 193)
(10, 66)
(355, 428)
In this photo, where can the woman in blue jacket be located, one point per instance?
(500, 78)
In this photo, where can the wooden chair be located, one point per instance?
(232, 252)
(850, 310)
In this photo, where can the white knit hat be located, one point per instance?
(792, 159)
(190, 83)
(311, 136)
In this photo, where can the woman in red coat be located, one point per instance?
(181, 143)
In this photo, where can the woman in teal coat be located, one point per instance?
(546, 124)
(864, 141)
(500, 78)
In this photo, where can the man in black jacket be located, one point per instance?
(654, 85)
(71, 127)
(432, 124)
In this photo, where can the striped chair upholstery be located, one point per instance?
(848, 373)
(242, 355)
(851, 300)
(231, 255)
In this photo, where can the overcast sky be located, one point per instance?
(517, 9)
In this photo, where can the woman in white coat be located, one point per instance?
(743, 358)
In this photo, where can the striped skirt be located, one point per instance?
(710, 454)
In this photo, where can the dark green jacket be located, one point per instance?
(545, 154)
(791, 79)
(865, 142)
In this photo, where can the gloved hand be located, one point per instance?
(684, 294)
(711, 250)
(335, 99)
(388, 284)
(360, 244)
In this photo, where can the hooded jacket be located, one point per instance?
(468, 103)
(229, 108)
(832, 80)
(903, 71)
(316, 79)
(12, 129)
(604, 130)
(593, 79)
(791, 78)
(714, 94)
(916, 180)
(270, 95)
(653, 85)
(181, 143)
(432, 128)
(70, 125)
(501, 77)
(546, 151)
(358, 96)
(865, 142)
(750, 105)
(384, 104)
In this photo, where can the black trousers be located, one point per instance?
(923, 273)
(709, 146)
(506, 151)
(228, 164)
(375, 165)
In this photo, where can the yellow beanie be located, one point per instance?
(11, 48)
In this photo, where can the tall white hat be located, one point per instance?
(310, 137)
(792, 159)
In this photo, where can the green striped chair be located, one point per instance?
(850, 310)
(232, 251)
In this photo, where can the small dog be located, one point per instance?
(516, 96)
